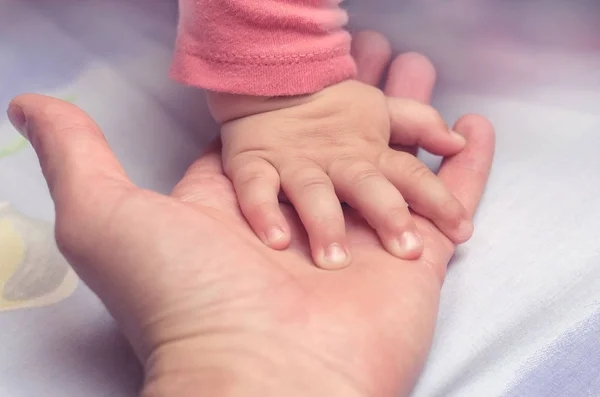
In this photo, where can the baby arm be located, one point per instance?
(279, 75)
(262, 47)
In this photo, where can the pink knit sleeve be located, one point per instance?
(262, 47)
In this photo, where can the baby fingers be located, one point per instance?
(256, 184)
(311, 192)
(413, 123)
(367, 190)
(427, 195)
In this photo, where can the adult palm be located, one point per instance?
(207, 306)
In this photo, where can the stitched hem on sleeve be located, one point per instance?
(296, 77)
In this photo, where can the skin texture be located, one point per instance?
(333, 146)
(222, 313)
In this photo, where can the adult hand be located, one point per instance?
(207, 306)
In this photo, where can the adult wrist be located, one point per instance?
(242, 370)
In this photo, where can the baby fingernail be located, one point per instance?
(17, 119)
(457, 137)
(408, 245)
(410, 242)
(335, 255)
(274, 234)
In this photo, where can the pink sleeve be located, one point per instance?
(262, 47)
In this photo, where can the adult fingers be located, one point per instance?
(89, 189)
(209, 161)
(427, 194)
(73, 153)
(84, 177)
(411, 75)
(205, 183)
(372, 53)
(466, 173)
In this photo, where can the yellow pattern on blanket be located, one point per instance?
(32, 271)
(12, 252)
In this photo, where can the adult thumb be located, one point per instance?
(84, 177)
(73, 153)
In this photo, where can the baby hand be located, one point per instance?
(331, 144)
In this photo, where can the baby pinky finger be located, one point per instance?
(256, 184)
